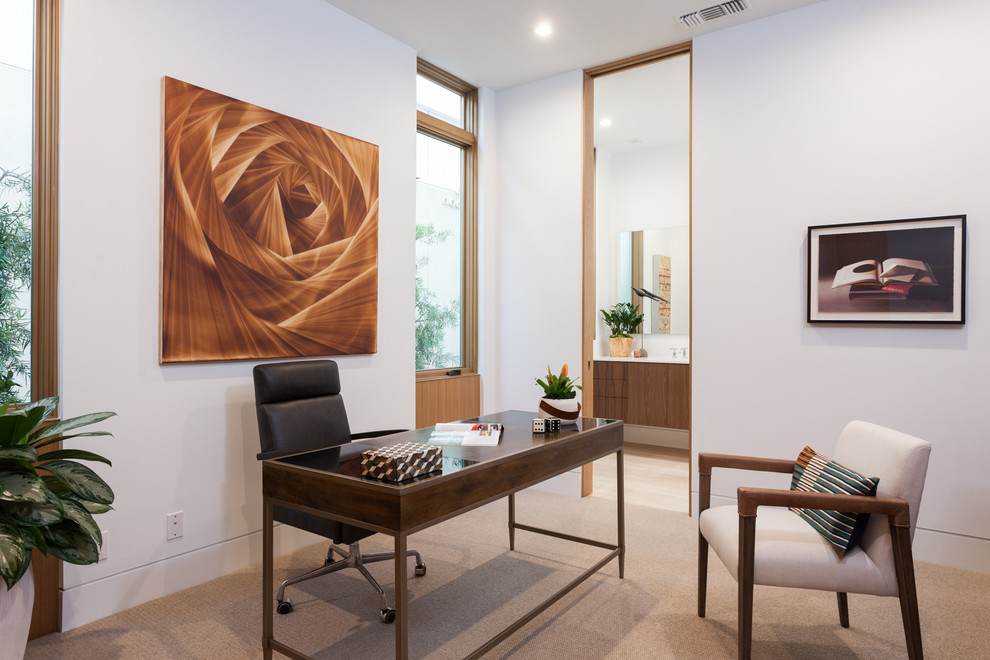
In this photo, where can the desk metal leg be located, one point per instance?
(621, 510)
(267, 572)
(512, 521)
(401, 599)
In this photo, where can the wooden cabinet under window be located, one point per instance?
(644, 393)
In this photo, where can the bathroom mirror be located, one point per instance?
(653, 272)
(642, 191)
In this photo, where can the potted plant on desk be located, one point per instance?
(47, 502)
(559, 396)
(622, 320)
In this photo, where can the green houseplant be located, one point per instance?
(47, 500)
(559, 395)
(622, 319)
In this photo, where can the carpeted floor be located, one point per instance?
(475, 586)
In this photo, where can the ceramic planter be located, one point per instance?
(565, 409)
(15, 616)
(619, 346)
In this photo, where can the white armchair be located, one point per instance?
(778, 548)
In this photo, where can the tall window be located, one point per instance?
(28, 197)
(446, 221)
(16, 145)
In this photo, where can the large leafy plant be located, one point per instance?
(47, 501)
(558, 387)
(622, 319)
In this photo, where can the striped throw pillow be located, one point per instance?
(817, 473)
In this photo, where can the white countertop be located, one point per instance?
(661, 359)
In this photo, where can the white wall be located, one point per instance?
(842, 111)
(186, 437)
(537, 248)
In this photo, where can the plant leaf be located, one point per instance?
(17, 425)
(71, 543)
(68, 424)
(79, 515)
(34, 540)
(58, 438)
(14, 556)
(78, 454)
(24, 453)
(94, 507)
(81, 480)
(23, 486)
(31, 514)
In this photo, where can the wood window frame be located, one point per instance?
(46, 616)
(45, 195)
(466, 139)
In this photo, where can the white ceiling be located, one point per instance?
(491, 43)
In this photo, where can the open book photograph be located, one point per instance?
(895, 271)
(478, 434)
(889, 271)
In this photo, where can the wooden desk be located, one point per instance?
(471, 477)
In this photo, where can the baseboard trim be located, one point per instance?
(655, 436)
(91, 601)
(969, 553)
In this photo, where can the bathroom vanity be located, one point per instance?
(644, 392)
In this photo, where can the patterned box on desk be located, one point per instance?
(401, 461)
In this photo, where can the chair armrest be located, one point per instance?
(375, 434)
(708, 461)
(896, 509)
(278, 453)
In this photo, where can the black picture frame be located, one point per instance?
(891, 271)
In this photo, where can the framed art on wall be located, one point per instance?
(893, 271)
(269, 233)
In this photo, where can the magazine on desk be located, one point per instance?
(479, 434)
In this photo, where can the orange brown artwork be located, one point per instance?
(269, 235)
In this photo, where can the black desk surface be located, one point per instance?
(517, 437)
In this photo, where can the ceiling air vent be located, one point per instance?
(696, 18)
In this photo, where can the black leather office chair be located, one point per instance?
(300, 409)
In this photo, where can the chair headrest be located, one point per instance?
(285, 381)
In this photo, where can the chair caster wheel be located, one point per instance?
(284, 606)
(387, 615)
(420, 570)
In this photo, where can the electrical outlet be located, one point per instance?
(103, 547)
(173, 529)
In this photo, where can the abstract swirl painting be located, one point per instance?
(269, 234)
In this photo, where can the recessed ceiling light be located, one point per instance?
(543, 30)
(605, 122)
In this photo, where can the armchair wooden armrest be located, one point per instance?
(708, 461)
(896, 509)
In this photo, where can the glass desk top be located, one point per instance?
(517, 437)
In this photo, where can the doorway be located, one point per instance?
(637, 191)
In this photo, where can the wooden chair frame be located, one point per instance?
(750, 499)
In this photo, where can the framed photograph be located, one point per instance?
(894, 271)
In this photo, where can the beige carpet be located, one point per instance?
(475, 586)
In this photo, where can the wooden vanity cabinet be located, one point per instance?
(644, 393)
